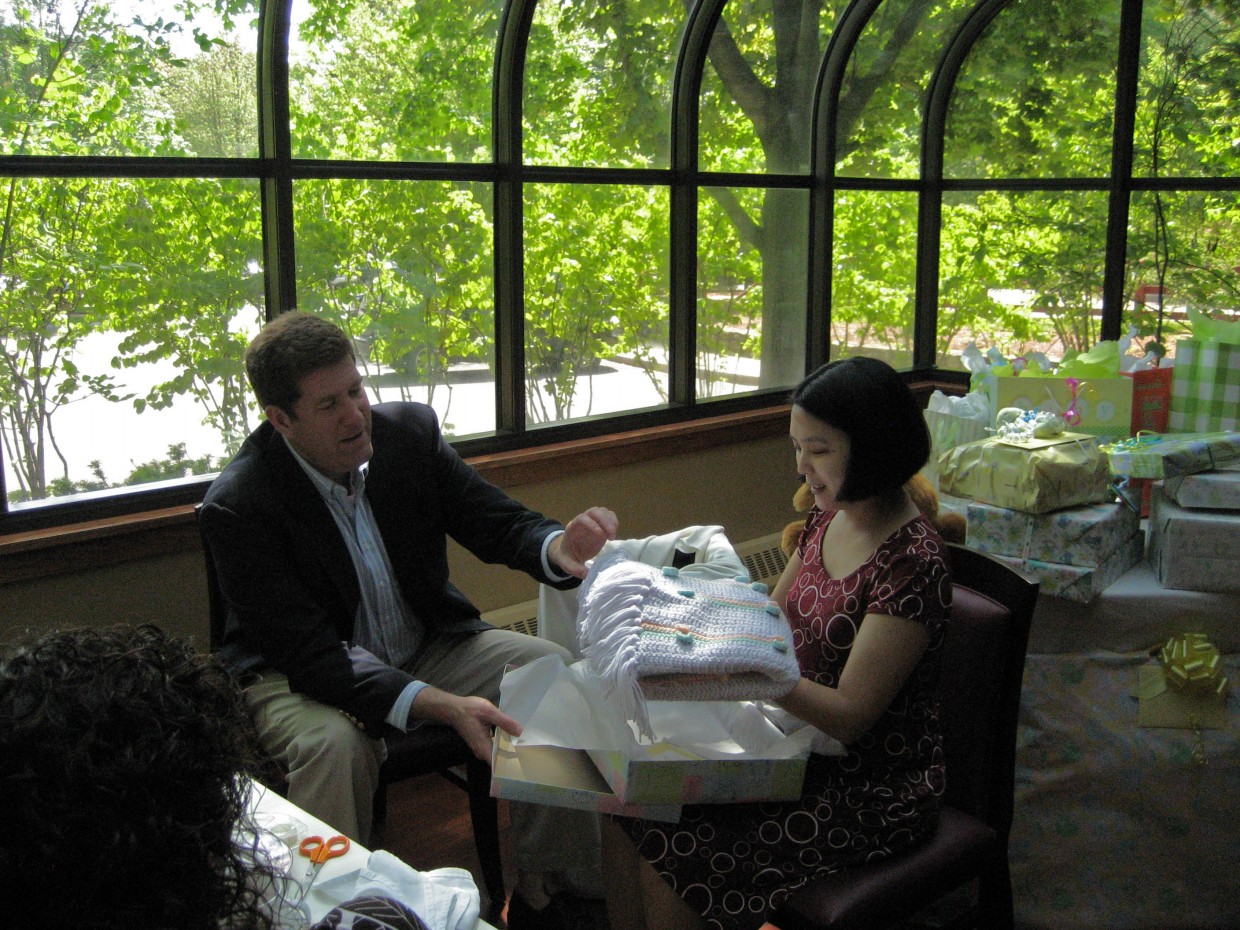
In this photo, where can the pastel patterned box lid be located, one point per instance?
(1209, 490)
(1080, 583)
(1168, 455)
(700, 781)
(1085, 535)
(561, 777)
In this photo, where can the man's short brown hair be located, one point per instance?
(286, 350)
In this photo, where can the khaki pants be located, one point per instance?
(333, 767)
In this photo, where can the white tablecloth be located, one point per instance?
(320, 899)
(1134, 614)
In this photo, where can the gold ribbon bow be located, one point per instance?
(1192, 664)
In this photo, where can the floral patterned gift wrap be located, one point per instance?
(1194, 550)
(1084, 535)
(1080, 583)
(1211, 490)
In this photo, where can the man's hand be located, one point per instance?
(582, 539)
(473, 717)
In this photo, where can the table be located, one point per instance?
(1116, 826)
(266, 801)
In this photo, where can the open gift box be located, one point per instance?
(576, 750)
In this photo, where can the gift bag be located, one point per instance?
(1151, 399)
(1100, 407)
(1205, 387)
(1151, 408)
(953, 421)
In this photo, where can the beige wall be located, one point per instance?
(169, 591)
(746, 488)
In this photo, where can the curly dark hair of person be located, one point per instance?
(122, 756)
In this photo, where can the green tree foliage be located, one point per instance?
(172, 267)
(168, 264)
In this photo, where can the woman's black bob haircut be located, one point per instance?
(867, 399)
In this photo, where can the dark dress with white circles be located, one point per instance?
(733, 862)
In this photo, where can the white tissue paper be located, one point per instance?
(445, 899)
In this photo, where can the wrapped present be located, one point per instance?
(1149, 455)
(1188, 691)
(1084, 535)
(1193, 550)
(1207, 490)
(1205, 389)
(1100, 407)
(1037, 476)
(1080, 583)
(949, 503)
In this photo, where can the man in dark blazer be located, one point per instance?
(329, 534)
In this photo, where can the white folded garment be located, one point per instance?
(445, 899)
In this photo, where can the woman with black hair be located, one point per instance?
(124, 801)
(867, 594)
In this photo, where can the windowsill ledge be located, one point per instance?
(78, 547)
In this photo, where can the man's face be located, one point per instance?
(330, 423)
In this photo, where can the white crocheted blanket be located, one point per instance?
(655, 633)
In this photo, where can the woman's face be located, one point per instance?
(822, 456)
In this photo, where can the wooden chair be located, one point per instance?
(979, 696)
(428, 749)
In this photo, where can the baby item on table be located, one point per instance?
(1016, 425)
(656, 633)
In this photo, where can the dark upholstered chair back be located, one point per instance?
(970, 693)
(979, 691)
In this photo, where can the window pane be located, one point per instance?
(1036, 96)
(125, 79)
(393, 79)
(883, 97)
(405, 267)
(1186, 109)
(872, 278)
(751, 295)
(596, 330)
(125, 306)
(1183, 254)
(754, 112)
(1021, 272)
(598, 83)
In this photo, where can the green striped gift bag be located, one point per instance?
(1205, 387)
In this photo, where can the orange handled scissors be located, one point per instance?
(318, 851)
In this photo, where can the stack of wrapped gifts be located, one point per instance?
(1044, 506)
(1195, 531)
(1075, 553)
(1194, 512)
(1194, 526)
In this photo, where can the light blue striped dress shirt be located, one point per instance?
(385, 625)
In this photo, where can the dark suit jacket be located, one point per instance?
(288, 580)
